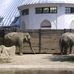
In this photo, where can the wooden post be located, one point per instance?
(64, 30)
(70, 30)
(39, 40)
(3, 31)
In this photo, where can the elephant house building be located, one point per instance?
(47, 14)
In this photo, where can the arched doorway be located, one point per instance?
(72, 25)
(45, 24)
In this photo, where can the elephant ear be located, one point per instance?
(27, 36)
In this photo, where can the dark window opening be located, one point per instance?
(41, 10)
(46, 10)
(72, 10)
(53, 10)
(25, 12)
(69, 10)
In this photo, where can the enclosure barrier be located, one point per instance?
(42, 40)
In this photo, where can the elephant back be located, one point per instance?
(17, 35)
(27, 36)
(12, 35)
(68, 35)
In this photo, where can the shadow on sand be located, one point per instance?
(61, 58)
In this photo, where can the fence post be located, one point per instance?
(39, 40)
(64, 30)
(70, 30)
(3, 31)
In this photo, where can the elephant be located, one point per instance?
(66, 42)
(17, 39)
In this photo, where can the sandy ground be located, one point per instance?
(42, 59)
(39, 64)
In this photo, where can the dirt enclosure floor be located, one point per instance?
(43, 59)
(39, 64)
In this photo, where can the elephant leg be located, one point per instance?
(71, 45)
(61, 47)
(65, 49)
(31, 46)
(70, 50)
(20, 47)
(61, 50)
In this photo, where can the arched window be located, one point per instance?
(72, 25)
(45, 24)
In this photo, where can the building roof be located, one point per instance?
(1, 18)
(9, 10)
(16, 21)
(28, 2)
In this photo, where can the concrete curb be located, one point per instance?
(36, 67)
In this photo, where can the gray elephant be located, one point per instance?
(17, 38)
(66, 42)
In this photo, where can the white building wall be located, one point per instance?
(69, 18)
(33, 20)
(58, 21)
(61, 17)
(24, 21)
